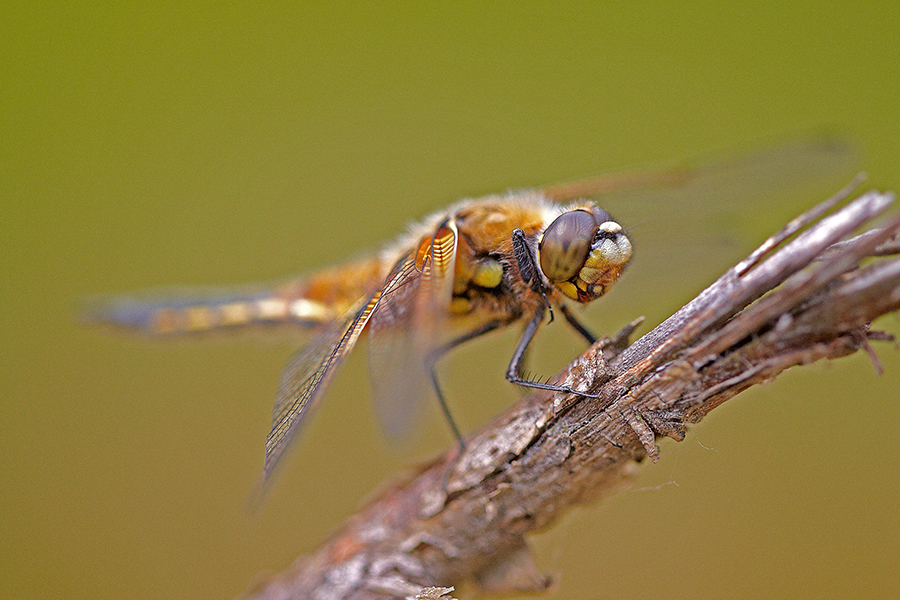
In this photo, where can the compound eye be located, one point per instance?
(566, 244)
(600, 215)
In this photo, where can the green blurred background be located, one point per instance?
(164, 144)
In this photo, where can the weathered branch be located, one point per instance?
(802, 296)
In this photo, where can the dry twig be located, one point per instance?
(802, 296)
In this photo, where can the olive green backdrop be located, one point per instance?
(165, 144)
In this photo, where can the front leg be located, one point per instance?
(513, 371)
(528, 268)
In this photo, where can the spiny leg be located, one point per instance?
(528, 267)
(529, 272)
(512, 372)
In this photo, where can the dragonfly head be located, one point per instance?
(583, 252)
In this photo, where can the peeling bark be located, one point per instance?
(808, 293)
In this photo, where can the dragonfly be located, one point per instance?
(475, 267)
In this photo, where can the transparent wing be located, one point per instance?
(407, 327)
(787, 165)
(309, 372)
(689, 219)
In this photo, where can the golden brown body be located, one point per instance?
(476, 266)
(485, 232)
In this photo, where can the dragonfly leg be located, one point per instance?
(528, 268)
(515, 363)
(576, 325)
(446, 409)
(431, 362)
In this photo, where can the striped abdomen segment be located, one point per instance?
(318, 298)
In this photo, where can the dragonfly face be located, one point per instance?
(582, 252)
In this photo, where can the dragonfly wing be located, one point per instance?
(408, 326)
(728, 177)
(307, 376)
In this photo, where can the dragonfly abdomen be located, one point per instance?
(196, 315)
(315, 299)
